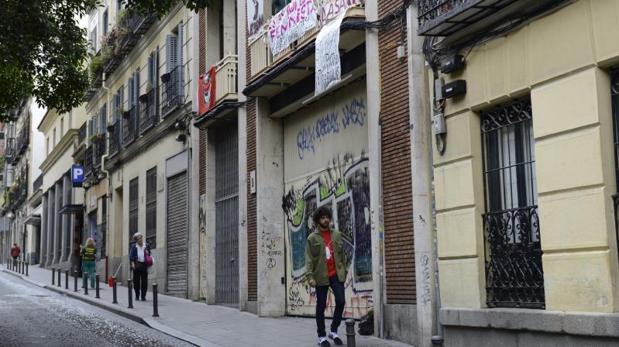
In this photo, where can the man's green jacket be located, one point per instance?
(316, 258)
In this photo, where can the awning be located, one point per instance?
(71, 209)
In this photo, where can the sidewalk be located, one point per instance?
(198, 323)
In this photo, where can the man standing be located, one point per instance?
(15, 251)
(325, 267)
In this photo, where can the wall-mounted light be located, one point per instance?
(10, 215)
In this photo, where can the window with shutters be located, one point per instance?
(151, 207)
(105, 22)
(133, 207)
(173, 79)
(514, 275)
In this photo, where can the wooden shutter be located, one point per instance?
(171, 52)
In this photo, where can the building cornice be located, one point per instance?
(48, 119)
(65, 142)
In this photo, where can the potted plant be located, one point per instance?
(97, 137)
(165, 77)
(126, 114)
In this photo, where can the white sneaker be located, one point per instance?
(336, 339)
(323, 342)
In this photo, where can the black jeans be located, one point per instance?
(140, 280)
(321, 304)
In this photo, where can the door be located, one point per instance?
(177, 235)
(227, 213)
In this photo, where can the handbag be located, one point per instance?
(148, 260)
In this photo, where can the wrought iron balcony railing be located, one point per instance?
(445, 17)
(514, 274)
(100, 147)
(130, 125)
(172, 93)
(115, 131)
(149, 110)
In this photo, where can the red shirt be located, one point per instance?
(326, 235)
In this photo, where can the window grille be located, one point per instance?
(514, 275)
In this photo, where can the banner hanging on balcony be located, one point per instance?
(255, 17)
(328, 64)
(206, 91)
(291, 23)
(330, 9)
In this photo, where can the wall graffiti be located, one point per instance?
(343, 186)
(331, 124)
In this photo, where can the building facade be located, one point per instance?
(525, 171)
(61, 203)
(139, 152)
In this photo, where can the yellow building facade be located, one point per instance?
(562, 63)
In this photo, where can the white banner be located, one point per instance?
(255, 17)
(330, 9)
(291, 23)
(328, 65)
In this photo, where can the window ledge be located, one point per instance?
(573, 323)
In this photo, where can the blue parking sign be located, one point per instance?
(77, 175)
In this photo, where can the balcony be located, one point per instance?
(271, 75)
(226, 79)
(446, 17)
(172, 90)
(81, 135)
(130, 125)
(100, 148)
(23, 141)
(10, 152)
(16, 194)
(115, 134)
(149, 110)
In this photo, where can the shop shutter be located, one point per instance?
(178, 233)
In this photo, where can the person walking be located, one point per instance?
(325, 268)
(139, 256)
(15, 252)
(89, 253)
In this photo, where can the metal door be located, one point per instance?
(227, 213)
(176, 242)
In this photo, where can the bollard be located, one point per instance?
(27, 269)
(85, 275)
(350, 333)
(53, 276)
(97, 287)
(130, 293)
(59, 278)
(114, 297)
(19, 265)
(155, 302)
(75, 281)
(66, 279)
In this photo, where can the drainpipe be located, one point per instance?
(107, 174)
(421, 151)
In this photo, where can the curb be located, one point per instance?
(145, 321)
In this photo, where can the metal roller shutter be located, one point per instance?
(177, 236)
(227, 216)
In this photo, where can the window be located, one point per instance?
(105, 22)
(61, 127)
(47, 145)
(119, 5)
(133, 208)
(151, 207)
(514, 276)
(93, 40)
(102, 119)
(54, 142)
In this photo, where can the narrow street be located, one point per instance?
(33, 316)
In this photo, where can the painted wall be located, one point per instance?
(325, 151)
(564, 67)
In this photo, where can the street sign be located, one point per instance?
(77, 175)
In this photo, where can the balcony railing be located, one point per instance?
(88, 160)
(149, 110)
(115, 131)
(226, 79)
(16, 194)
(100, 147)
(445, 17)
(130, 125)
(261, 57)
(23, 140)
(172, 93)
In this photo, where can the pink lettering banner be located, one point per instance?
(291, 23)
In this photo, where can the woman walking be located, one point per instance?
(138, 256)
(89, 253)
